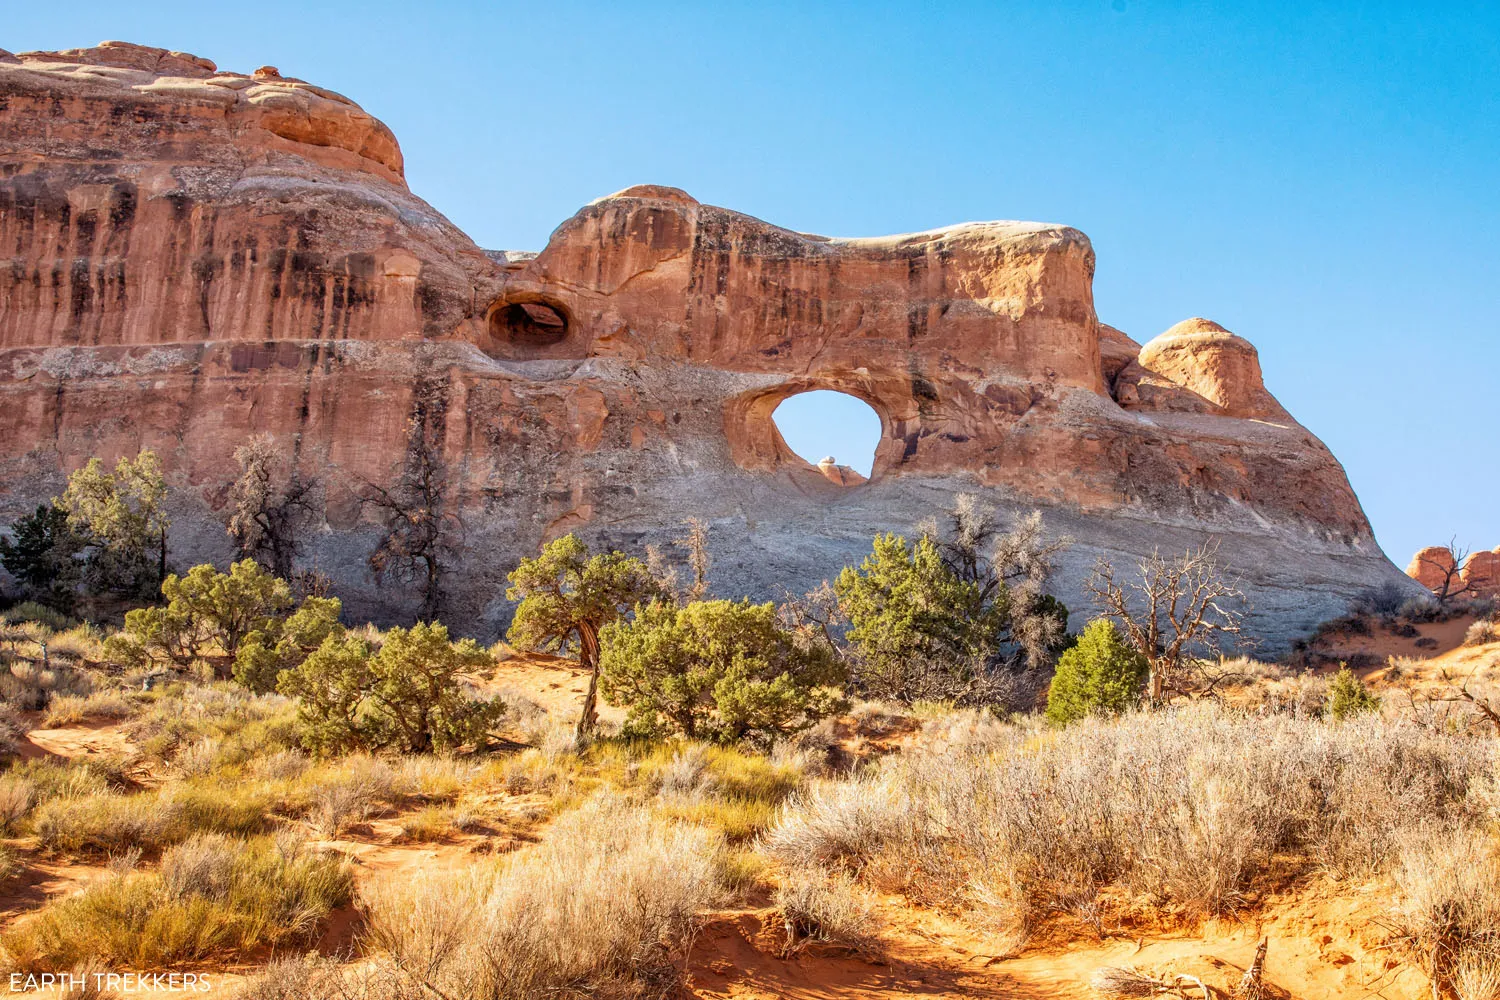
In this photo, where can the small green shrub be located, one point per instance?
(1101, 675)
(208, 610)
(405, 696)
(716, 670)
(283, 645)
(1348, 696)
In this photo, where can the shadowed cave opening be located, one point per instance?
(822, 425)
(533, 324)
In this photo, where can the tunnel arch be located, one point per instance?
(757, 444)
(836, 432)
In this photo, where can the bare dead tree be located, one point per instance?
(1454, 585)
(420, 529)
(1017, 563)
(695, 543)
(267, 508)
(1178, 607)
(1459, 692)
(659, 565)
(814, 615)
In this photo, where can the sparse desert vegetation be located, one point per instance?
(930, 749)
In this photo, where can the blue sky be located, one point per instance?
(1320, 178)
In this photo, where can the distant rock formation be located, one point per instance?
(193, 256)
(1479, 576)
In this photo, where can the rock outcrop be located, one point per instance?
(192, 256)
(1434, 568)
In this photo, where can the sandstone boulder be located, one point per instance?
(1431, 566)
(1481, 573)
(1199, 367)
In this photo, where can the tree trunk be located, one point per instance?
(161, 562)
(588, 658)
(1157, 685)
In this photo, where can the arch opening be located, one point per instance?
(529, 324)
(832, 431)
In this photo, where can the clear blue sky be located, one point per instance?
(1320, 178)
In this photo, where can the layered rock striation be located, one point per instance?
(189, 257)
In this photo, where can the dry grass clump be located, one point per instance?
(1196, 810)
(313, 977)
(842, 823)
(432, 823)
(600, 904)
(729, 790)
(242, 726)
(826, 905)
(67, 709)
(1449, 914)
(17, 796)
(350, 794)
(1483, 631)
(213, 897)
(106, 822)
(29, 687)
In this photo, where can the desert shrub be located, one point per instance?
(840, 823)
(588, 909)
(317, 977)
(405, 696)
(52, 778)
(827, 905)
(567, 596)
(1383, 601)
(1449, 911)
(1036, 824)
(213, 897)
(12, 729)
(121, 518)
(242, 727)
(348, 793)
(723, 788)
(1422, 610)
(208, 610)
(917, 629)
(1482, 631)
(17, 796)
(430, 778)
(1348, 696)
(28, 687)
(281, 645)
(1101, 675)
(37, 614)
(716, 670)
(431, 823)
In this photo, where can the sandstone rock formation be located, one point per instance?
(193, 256)
(1479, 576)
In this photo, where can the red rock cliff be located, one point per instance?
(190, 256)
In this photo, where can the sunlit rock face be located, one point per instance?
(193, 256)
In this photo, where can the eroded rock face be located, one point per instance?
(193, 256)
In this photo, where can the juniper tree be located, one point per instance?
(567, 596)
